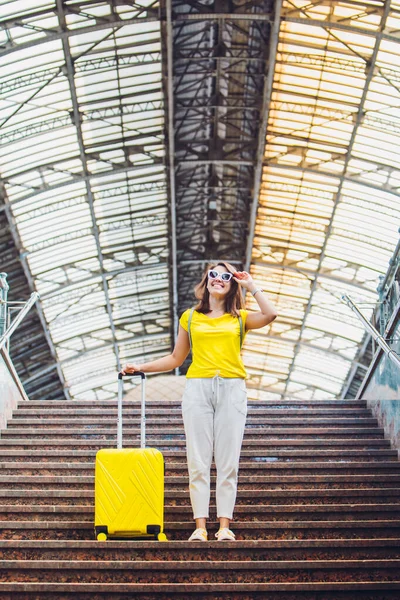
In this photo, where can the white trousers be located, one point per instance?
(214, 415)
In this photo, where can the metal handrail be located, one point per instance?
(12, 327)
(380, 340)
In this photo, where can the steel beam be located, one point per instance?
(266, 97)
(171, 165)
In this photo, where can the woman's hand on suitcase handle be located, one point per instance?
(130, 368)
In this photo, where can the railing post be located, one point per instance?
(4, 287)
(23, 311)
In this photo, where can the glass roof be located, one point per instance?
(329, 208)
(82, 155)
(82, 147)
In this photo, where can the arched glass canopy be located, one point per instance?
(88, 185)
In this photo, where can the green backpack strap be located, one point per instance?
(241, 329)
(189, 324)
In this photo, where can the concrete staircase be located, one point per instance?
(318, 510)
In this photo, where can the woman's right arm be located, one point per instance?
(166, 363)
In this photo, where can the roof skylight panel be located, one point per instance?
(352, 231)
(48, 204)
(23, 34)
(329, 363)
(118, 219)
(119, 238)
(364, 249)
(18, 8)
(64, 296)
(385, 230)
(65, 251)
(268, 345)
(124, 310)
(49, 227)
(323, 321)
(58, 318)
(58, 150)
(363, 148)
(271, 358)
(115, 207)
(73, 367)
(56, 280)
(91, 385)
(44, 132)
(68, 299)
(256, 394)
(323, 383)
(86, 322)
(54, 176)
(70, 208)
(347, 217)
(135, 289)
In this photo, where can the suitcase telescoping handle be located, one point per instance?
(142, 409)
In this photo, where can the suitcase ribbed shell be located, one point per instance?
(129, 491)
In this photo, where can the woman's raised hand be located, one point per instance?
(129, 368)
(244, 279)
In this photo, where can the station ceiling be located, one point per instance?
(140, 141)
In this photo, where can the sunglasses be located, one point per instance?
(213, 274)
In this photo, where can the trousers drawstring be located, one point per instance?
(215, 380)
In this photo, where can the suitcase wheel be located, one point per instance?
(162, 537)
(101, 532)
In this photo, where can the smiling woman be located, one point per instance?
(214, 404)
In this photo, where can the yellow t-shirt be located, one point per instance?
(215, 345)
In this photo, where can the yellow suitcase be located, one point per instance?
(129, 486)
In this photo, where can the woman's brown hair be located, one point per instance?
(234, 299)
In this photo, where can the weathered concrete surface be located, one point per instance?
(382, 393)
(11, 390)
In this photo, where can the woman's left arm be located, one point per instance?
(267, 312)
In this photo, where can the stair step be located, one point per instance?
(181, 591)
(173, 469)
(243, 529)
(259, 512)
(258, 404)
(289, 482)
(161, 425)
(387, 478)
(217, 571)
(287, 443)
(317, 513)
(250, 455)
(323, 496)
(110, 432)
(171, 413)
(183, 550)
(176, 424)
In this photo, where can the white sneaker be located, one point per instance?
(225, 534)
(199, 535)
